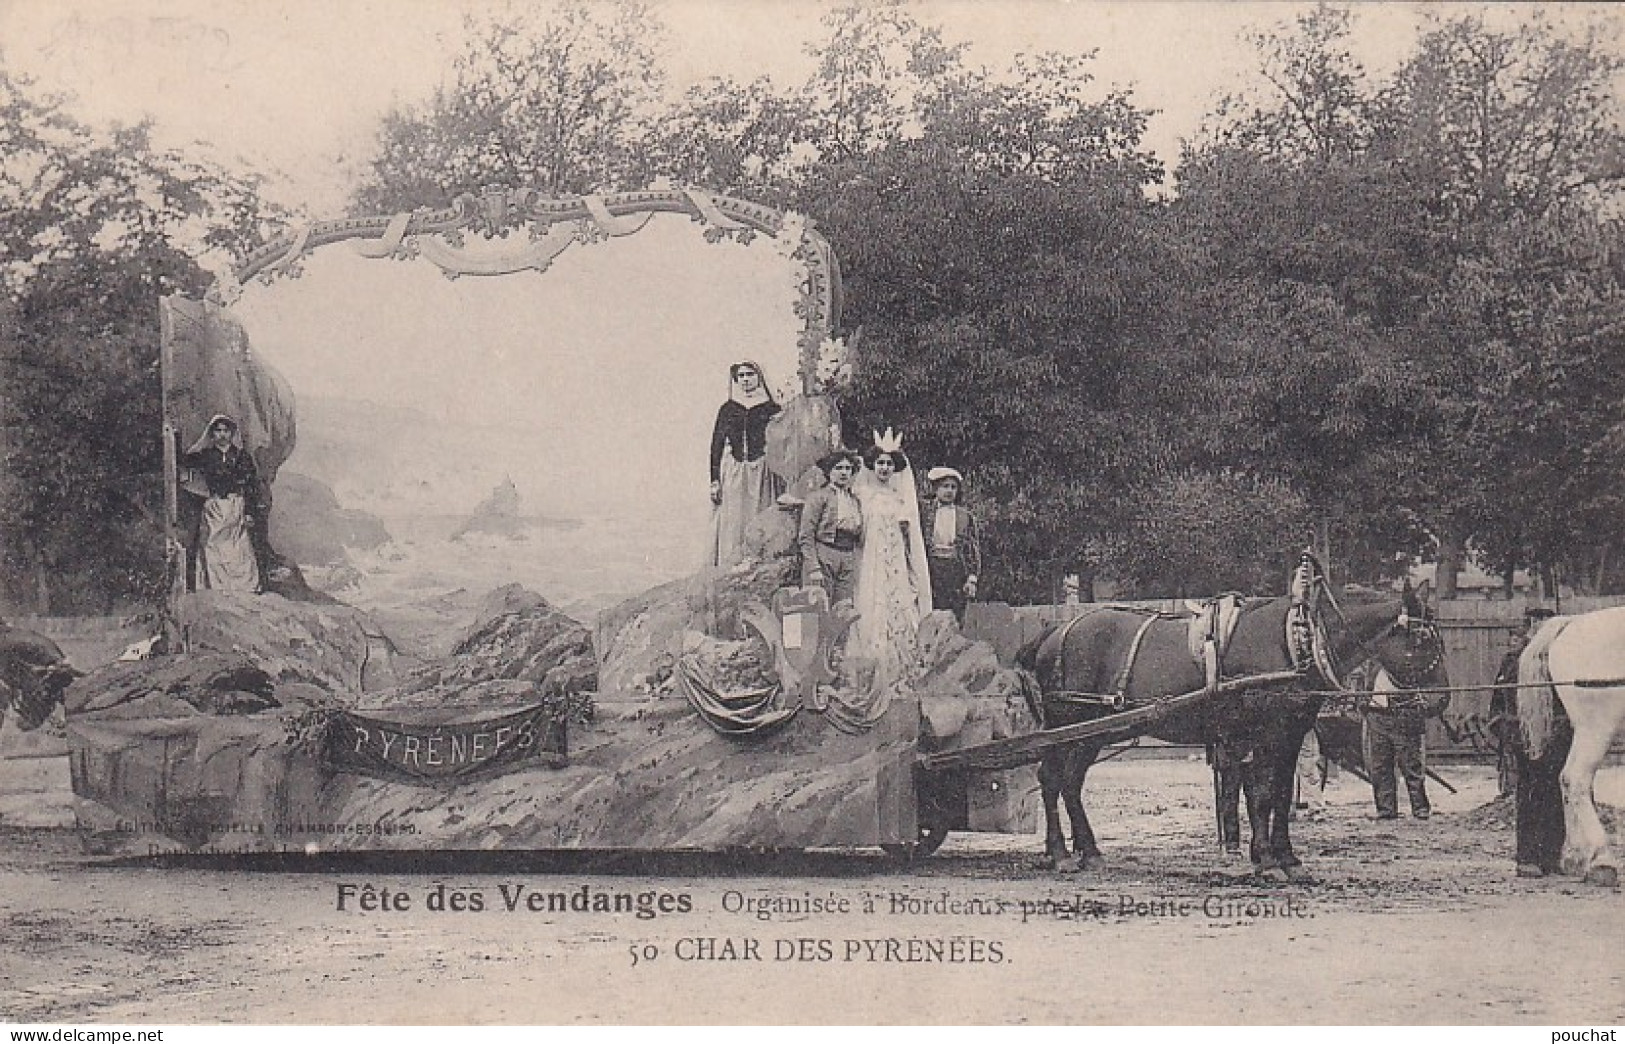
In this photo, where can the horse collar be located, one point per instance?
(1308, 644)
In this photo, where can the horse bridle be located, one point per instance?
(1304, 620)
(1417, 674)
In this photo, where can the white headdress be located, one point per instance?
(763, 392)
(204, 441)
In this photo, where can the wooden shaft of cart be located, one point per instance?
(1032, 747)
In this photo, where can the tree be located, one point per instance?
(1043, 118)
(1195, 534)
(1399, 224)
(739, 138)
(1513, 134)
(874, 68)
(94, 227)
(561, 101)
(998, 279)
(1541, 311)
(1296, 335)
(1504, 123)
(1318, 106)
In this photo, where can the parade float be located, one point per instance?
(705, 713)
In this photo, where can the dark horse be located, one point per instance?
(33, 675)
(1263, 730)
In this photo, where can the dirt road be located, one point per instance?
(1411, 922)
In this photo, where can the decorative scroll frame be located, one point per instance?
(546, 228)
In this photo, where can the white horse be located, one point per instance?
(1581, 659)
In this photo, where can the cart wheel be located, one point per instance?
(931, 839)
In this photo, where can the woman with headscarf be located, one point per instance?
(226, 559)
(741, 484)
(894, 585)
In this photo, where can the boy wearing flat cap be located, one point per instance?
(952, 545)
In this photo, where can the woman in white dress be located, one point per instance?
(894, 585)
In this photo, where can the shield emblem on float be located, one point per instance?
(801, 612)
(802, 632)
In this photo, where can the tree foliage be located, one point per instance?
(561, 99)
(1197, 534)
(746, 139)
(1318, 107)
(876, 64)
(1448, 223)
(1385, 309)
(998, 262)
(1503, 124)
(94, 227)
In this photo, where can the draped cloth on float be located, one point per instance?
(893, 590)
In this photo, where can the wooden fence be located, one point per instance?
(1477, 634)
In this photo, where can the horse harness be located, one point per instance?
(1212, 623)
(1416, 671)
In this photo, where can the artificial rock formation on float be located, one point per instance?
(221, 683)
(517, 637)
(207, 750)
(180, 743)
(209, 369)
(644, 772)
(223, 747)
(335, 647)
(966, 696)
(801, 433)
(640, 640)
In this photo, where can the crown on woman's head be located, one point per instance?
(891, 442)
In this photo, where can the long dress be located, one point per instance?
(894, 585)
(738, 465)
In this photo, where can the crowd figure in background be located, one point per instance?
(1536, 786)
(1395, 737)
